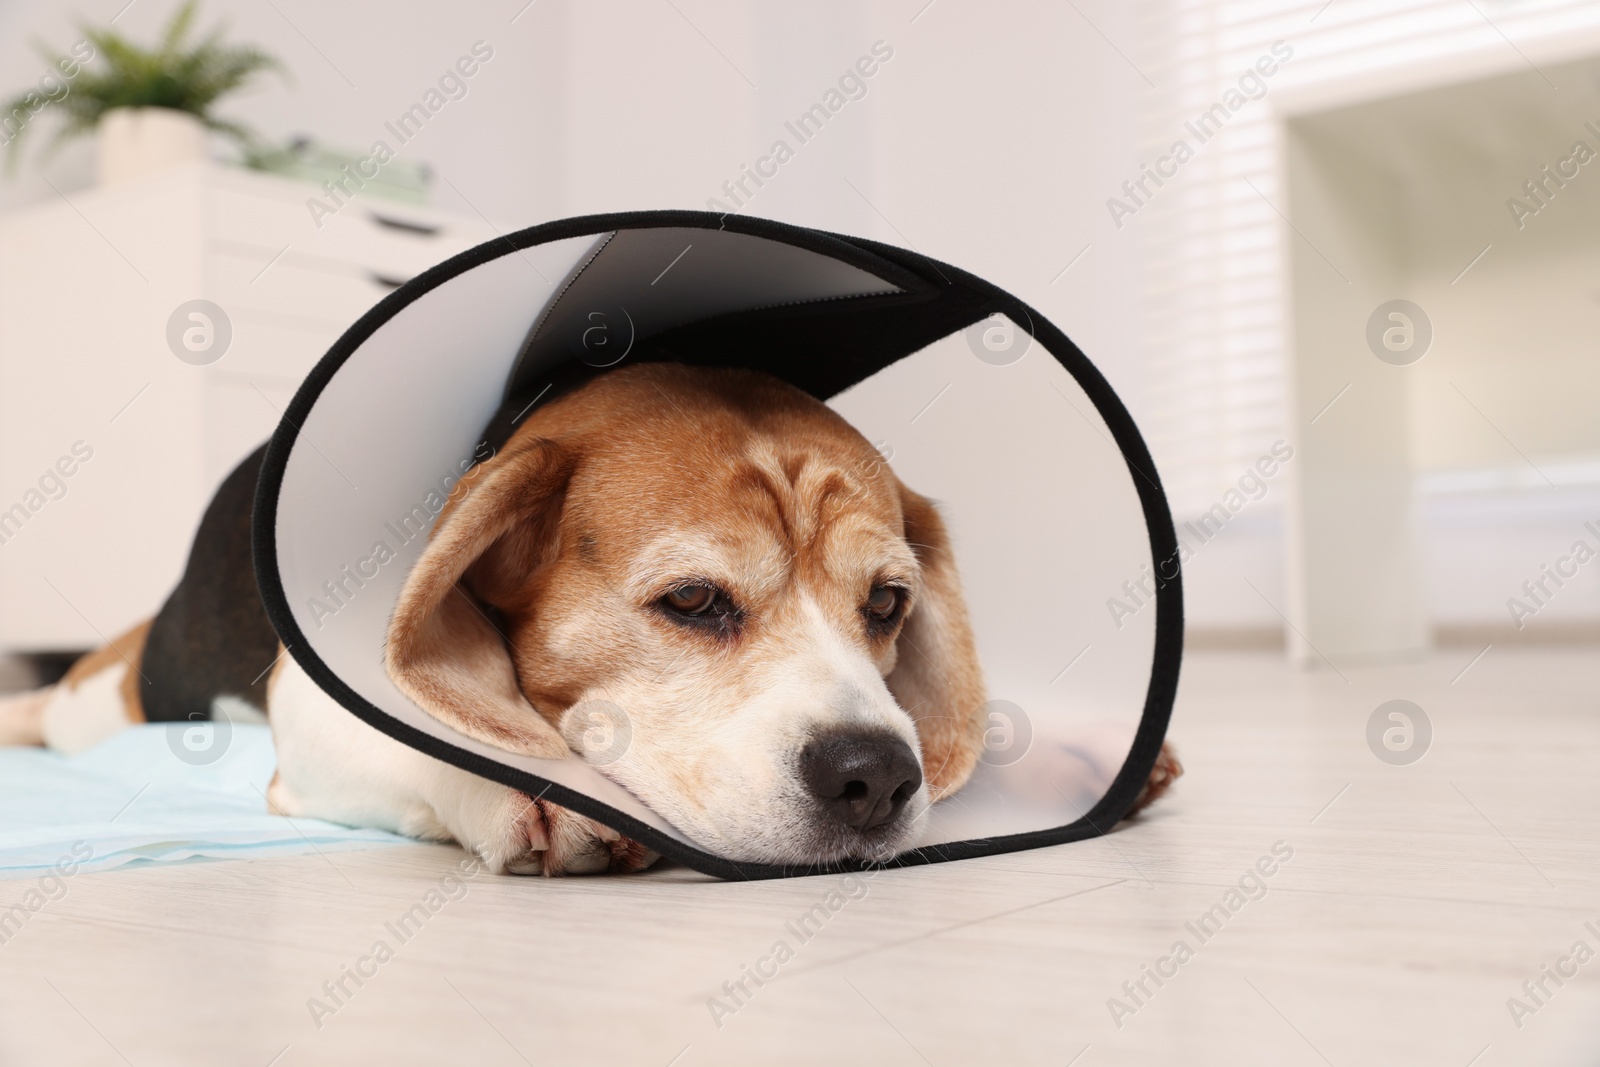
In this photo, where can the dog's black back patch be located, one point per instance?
(212, 637)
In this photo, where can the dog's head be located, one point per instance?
(715, 591)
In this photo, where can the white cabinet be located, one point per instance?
(88, 283)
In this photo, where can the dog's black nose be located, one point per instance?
(861, 778)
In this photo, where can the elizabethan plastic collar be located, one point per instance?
(978, 401)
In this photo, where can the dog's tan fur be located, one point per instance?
(124, 651)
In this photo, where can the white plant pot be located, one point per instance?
(134, 141)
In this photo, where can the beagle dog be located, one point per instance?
(712, 558)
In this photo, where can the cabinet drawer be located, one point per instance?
(313, 294)
(395, 239)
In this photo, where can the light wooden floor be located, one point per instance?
(1418, 900)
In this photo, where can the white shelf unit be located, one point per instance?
(87, 285)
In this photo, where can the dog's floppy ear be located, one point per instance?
(937, 678)
(443, 650)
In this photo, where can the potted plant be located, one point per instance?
(150, 107)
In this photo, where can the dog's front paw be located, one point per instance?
(579, 845)
(537, 837)
(1166, 771)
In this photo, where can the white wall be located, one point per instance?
(988, 138)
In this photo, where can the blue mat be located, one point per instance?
(147, 796)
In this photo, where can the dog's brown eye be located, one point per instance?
(884, 603)
(691, 599)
